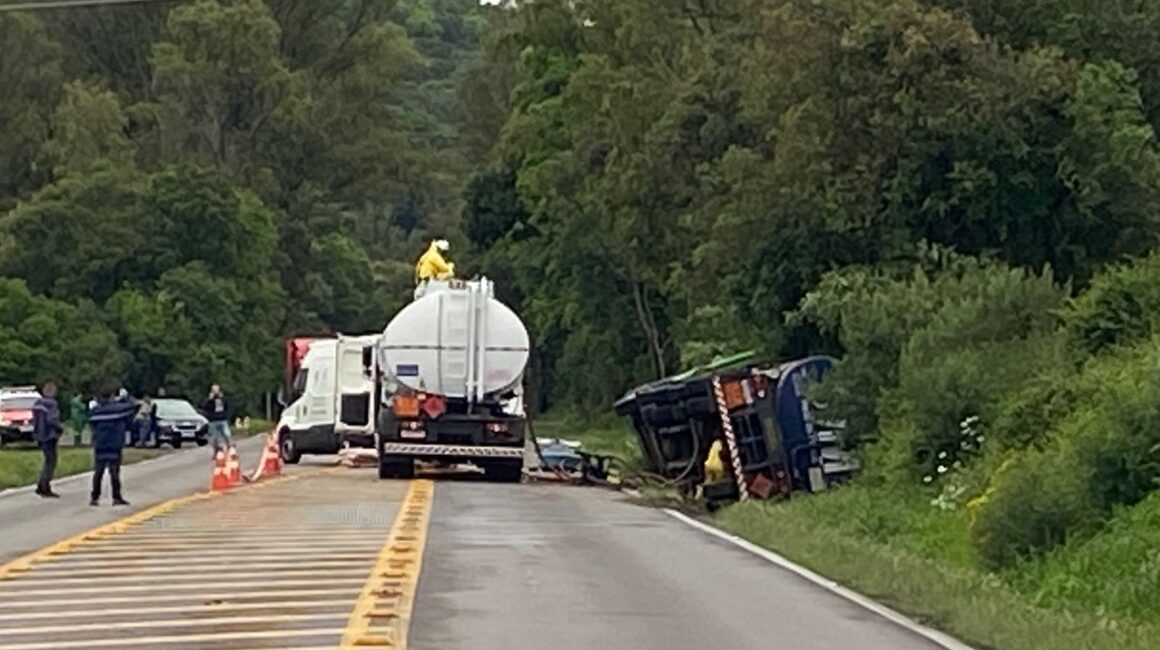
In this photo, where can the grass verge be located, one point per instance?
(21, 466)
(896, 548)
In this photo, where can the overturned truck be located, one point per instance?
(772, 437)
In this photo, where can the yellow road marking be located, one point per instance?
(237, 549)
(194, 622)
(186, 609)
(52, 581)
(382, 614)
(194, 587)
(103, 568)
(179, 638)
(243, 535)
(25, 562)
(174, 598)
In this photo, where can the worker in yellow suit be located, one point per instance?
(714, 466)
(432, 266)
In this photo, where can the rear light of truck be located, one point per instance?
(405, 406)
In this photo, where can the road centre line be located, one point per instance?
(280, 605)
(167, 639)
(176, 598)
(112, 626)
(382, 613)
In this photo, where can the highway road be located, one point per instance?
(330, 557)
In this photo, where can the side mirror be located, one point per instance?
(281, 396)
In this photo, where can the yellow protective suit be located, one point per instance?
(714, 468)
(432, 265)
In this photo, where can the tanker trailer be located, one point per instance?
(448, 371)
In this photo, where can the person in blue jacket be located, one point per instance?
(109, 420)
(46, 430)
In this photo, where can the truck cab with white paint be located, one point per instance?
(330, 398)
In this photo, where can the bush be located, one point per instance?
(929, 350)
(1121, 307)
(1105, 453)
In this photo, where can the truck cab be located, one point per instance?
(329, 400)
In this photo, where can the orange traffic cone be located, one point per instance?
(234, 465)
(221, 480)
(271, 459)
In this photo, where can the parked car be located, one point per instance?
(16, 413)
(177, 422)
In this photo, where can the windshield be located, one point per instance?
(175, 408)
(21, 403)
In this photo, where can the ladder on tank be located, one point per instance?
(466, 312)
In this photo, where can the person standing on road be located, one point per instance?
(109, 419)
(46, 430)
(217, 411)
(143, 426)
(78, 413)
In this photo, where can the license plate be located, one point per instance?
(413, 433)
(26, 428)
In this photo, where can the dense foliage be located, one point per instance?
(184, 184)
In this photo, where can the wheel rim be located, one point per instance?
(287, 448)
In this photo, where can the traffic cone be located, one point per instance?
(221, 480)
(234, 466)
(271, 458)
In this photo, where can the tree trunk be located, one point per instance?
(648, 325)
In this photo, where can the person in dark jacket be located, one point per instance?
(217, 411)
(109, 421)
(46, 430)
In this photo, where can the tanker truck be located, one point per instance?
(448, 373)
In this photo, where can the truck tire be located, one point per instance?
(396, 467)
(288, 450)
(504, 471)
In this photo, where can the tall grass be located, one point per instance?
(892, 545)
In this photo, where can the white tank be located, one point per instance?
(456, 340)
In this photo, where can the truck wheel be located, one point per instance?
(504, 471)
(288, 450)
(396, 467)
(174, 442)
